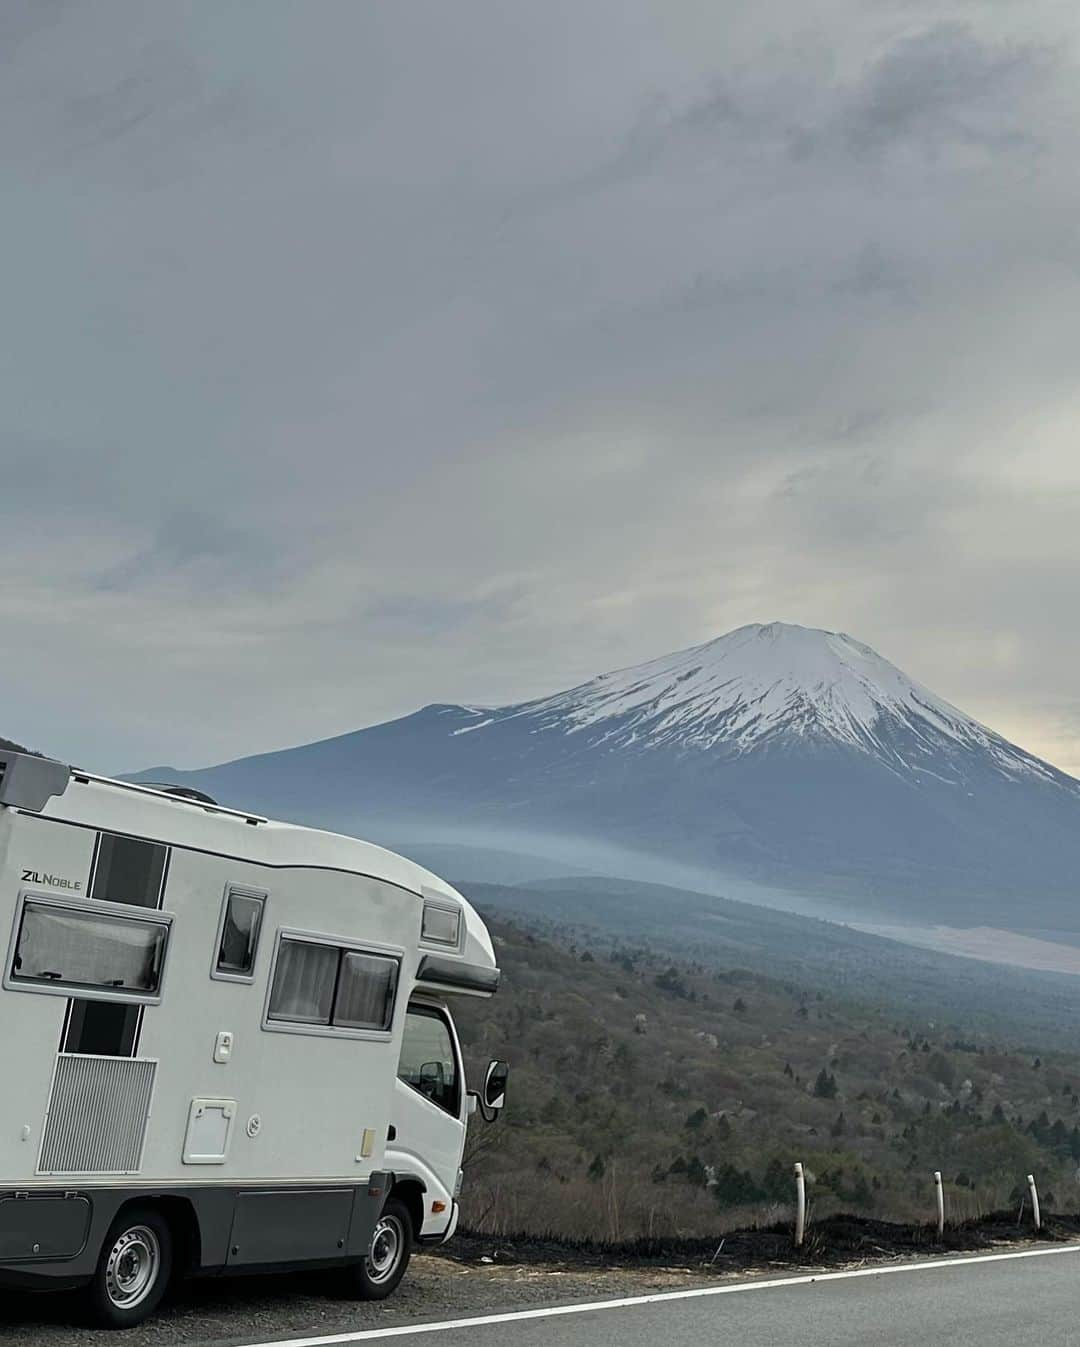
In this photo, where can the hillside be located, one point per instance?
(1027, 1007)
(650, 1096)
(775, 755)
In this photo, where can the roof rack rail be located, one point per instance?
(167, 793)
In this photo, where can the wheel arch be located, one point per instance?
(410, 1191)
(183, 1222)
(187, 1236)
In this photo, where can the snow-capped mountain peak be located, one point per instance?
(764, 684)
(777, 754)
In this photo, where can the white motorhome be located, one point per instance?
(224, 1041)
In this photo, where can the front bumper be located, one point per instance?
(441, 1236)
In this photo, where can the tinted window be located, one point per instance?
(304, 981)
(240, 934)
(102, 1028)
(365, 994)
(71, 947)
(129, 870)
(427, 1058)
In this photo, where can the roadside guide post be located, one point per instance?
(1036, 1214)
(800, 1206)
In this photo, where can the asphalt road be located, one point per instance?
(980, 1302)
(1001, 1300)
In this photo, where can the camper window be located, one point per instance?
(365, 994)
(330, 987)
(304, 982)
(238, 941)
(73, 947)
(129, 870)
(441, 925)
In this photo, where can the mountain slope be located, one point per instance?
(786, 755)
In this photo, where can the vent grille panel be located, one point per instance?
(97, 1115)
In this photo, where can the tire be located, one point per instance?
(388, 1255)
(133, 1271)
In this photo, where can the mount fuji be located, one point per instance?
(776, 755)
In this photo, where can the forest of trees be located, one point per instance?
(653, 1097)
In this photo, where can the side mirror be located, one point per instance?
(432, 1079)
(495, 1084)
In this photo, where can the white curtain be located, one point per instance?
(88, 950)
(304, 982)
(366, 992)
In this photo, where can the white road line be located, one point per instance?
(732, 1288)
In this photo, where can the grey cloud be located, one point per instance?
(194, 547)
(428, 616)
(945, 85)
(942, 85)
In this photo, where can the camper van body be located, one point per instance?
(204, 1012)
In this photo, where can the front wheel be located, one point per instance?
(133, 1271)
(387, 1256)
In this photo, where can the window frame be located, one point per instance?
(241, 891)
(344, 945)
(435, 1012)
(101, 909)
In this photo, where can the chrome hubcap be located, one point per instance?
(131, 1270)
(387, 1244)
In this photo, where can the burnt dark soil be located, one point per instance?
(835, 1241)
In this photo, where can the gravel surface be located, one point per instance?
(258, 1308)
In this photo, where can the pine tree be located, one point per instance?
(776, 1183)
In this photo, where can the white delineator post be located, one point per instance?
(800, 1206)
(1036, 1214)
(940, 1203)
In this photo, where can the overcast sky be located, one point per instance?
(361, 355)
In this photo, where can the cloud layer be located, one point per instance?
(359, 356)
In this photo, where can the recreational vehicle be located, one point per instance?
(224, 1044)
